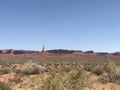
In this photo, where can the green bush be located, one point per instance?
(53, 83)
(88, 68)
(110, 66)
(77, 80)
(61, 79)
(105, 79)
(113, 73)
(113, 77)
(98, 71)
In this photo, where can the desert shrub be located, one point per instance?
(53, 71)
(98, 71)
(5, 70)
(113, 73)
(29, 68)
(15, 80)
(4, 86)
(113, 77)
(88, 67)
(53, 83)
(43, 69)
(105, 79)
(61, 79)
(34, 82)
(110, 66)
(77, 80)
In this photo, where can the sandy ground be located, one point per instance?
(95, 85)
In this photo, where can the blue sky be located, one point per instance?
(60, 24)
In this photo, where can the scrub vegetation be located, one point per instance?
(59, 74)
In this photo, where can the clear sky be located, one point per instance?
(60, 24)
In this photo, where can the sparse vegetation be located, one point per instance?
(88, 68)
(15, 80)
(59, 73)
(112, 73)
(98, 71)
(4, 86)
(5, 70)
(66, 80)
(29, 68)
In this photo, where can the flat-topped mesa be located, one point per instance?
(58, 52)
(7, 51)
(89, 52)
(62, 51)
(25, 52)
(17, 52)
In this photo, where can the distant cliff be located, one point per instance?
(58, 51)
(11, 51)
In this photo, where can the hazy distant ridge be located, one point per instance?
(56, 51)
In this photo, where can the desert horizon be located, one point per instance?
(59, 45)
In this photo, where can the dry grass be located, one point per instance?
(62, 75)
(4, 86)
